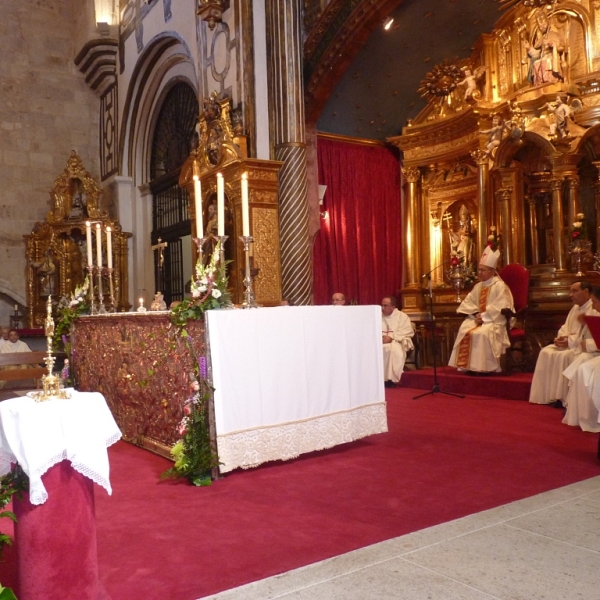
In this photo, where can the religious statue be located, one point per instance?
(562, 112)
(78, 210)
(45, 273)
(470, 82)
(159, 302)
(547, 54)
(495, 134)
(211, 225)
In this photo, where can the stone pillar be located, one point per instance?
(558, 221)
(483, 185)
(533, 227)
(410, 217)
(286, 97)
(503, 196)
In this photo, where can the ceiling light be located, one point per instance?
(388, 23)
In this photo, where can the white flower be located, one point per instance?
(580, 216)
(202, 288)
(577, 224)
(216, 293)
(491, 238)
(492, 228)
(195, 293)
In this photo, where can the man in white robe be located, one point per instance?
(338, 299)
(396, 335)
(13, 344)
(549, 384)
(583, 399)
(482, 338)
(4, 336)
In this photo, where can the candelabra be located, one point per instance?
(200, 245)
(15, 318)
(249, 301)
(93, 309)
(111, 286)
(222, 239)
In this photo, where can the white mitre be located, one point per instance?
(490, 257)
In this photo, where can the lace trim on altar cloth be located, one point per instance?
(250, 448)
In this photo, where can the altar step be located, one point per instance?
(509, 387)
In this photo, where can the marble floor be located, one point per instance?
(544, 547)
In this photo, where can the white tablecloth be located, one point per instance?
(39, 435)
(290, 380)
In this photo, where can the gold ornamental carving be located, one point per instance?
(441, 149)
(411, 174)
(267, 285)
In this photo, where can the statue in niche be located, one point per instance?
(45, 271)
(462, 239)
(547, 52)
(78, 209)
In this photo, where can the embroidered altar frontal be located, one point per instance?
(142, 368)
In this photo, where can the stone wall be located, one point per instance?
(46, 110)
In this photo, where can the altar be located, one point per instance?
(288, 380)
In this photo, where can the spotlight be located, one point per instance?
(388, 23)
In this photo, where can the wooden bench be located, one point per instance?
(33, 360)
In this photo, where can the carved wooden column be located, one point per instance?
(410, 214)
(286, 103)
(572, 194)
(597, 204)
(483, 186)
(503, 196)
(558, 222)
(533, 227)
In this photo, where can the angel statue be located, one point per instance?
(470, 82)
(562, 113)
(495, 134)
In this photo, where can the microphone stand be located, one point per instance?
(436, 385)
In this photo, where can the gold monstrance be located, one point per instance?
(50, 382)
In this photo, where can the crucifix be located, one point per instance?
(160, 246)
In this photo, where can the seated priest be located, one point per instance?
(13, 344)
(583, 398)
(482, 338)
(396, 334)
(574, 341)
(4, 335)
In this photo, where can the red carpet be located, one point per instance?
(443, 458)
(509, 387)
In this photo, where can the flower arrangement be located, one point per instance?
(457, 257)
(69, 308)
(209, 290)
(193, 454)
(578, 232)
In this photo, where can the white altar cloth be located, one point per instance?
(291, 380)
(39, 435)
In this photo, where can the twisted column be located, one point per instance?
(286, 103)
(411, 221)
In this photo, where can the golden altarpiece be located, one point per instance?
(509, 139)
(57, 250)
(222, 148)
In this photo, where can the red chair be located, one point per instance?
(516, 278)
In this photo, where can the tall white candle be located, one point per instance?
(245, 208)
(88, 237)
(98, 245)
(220, 204)
(198, 205)
(109, 247)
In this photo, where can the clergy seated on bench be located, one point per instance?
(8, 363)
(396, 334)
(482, 338)
(4, 336)
(573, 341)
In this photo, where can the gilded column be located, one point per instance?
(572, 182)
(483, 186)
(533, 227)
(288, 139)
(410, 215)
(503, 197)
(558, 221)
(597, 204)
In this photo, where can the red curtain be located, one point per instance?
(359, 249)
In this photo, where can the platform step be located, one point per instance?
(510, 387)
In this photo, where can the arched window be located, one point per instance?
(173, 138)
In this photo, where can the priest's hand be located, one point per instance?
(387, 339)
(478, 319)
(561, 342)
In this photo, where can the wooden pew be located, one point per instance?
(33, 360)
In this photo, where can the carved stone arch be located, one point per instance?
(166, 58)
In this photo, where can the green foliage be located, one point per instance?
(6, 594)
(12, 484)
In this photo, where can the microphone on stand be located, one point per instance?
(435, 268)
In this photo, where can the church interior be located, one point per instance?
(374, 148)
